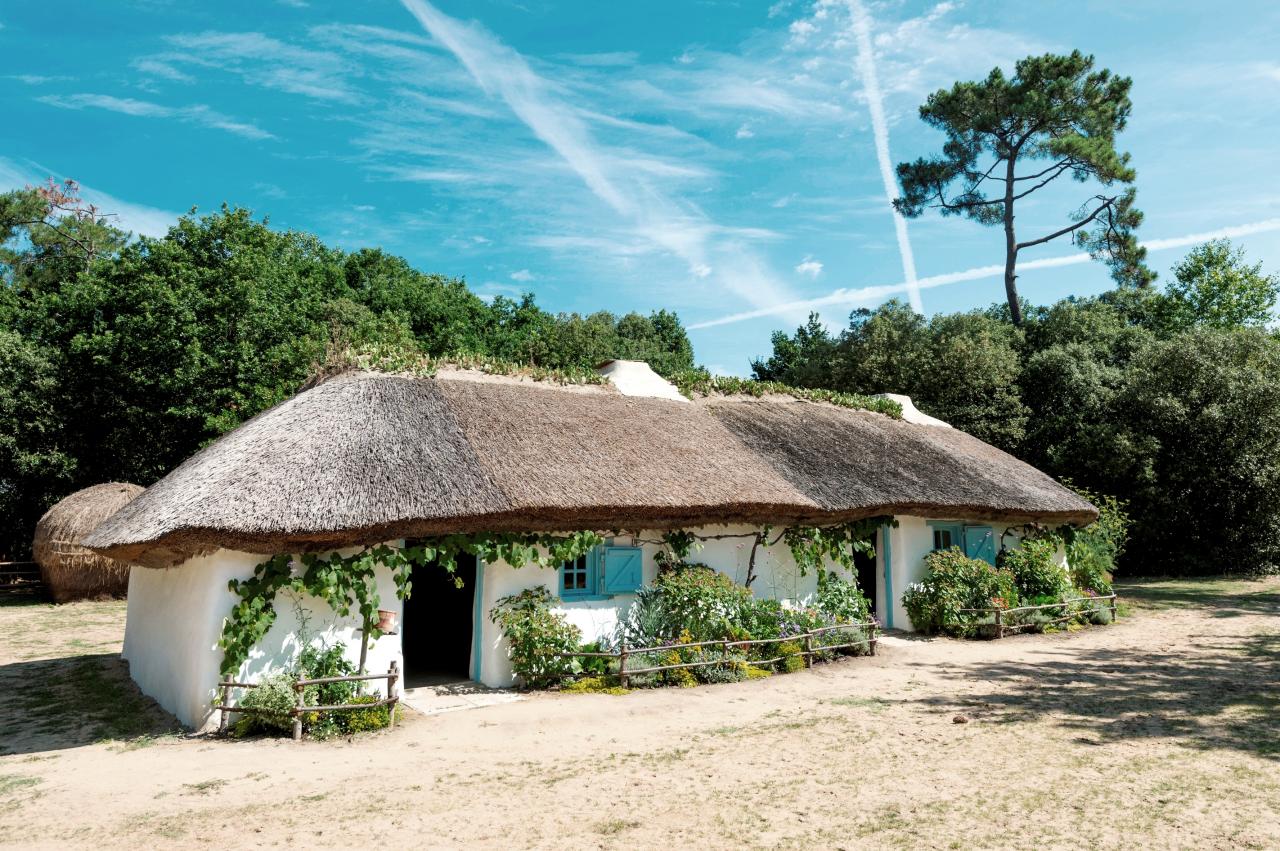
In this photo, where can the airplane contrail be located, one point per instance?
(880, 130)
(862, 295)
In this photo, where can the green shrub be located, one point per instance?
(365, 720)
(1035, 569)
(840, 600)
(1092, 551)
(705, 603)
(534, 633)
(954, 582)
(597, 666)
(317, 662)
(596, 685)
(792, 654)
(273, 701)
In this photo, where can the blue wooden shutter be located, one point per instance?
(623, 569)
(980, 542)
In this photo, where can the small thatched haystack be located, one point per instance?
(70, 571)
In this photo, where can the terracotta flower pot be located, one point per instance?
(386, 622)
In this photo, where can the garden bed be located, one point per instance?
(819, 644)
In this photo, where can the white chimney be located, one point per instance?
(912, 414)
(636, 378)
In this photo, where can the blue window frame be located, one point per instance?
(602, 572)
(578, 577)
(974, 541)
(947, 535)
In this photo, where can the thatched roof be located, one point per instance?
(69, 570)
(369, 457)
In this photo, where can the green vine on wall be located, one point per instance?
(811, 546)
(348, 583)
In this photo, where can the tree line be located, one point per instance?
(120, 357)
(1167, 399)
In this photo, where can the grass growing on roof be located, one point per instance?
(699, 382)
(399, 359)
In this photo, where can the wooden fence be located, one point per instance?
(301, 708)
(1004, 627)
(806, 639)
(20, 579)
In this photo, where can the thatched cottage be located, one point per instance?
(368, 458)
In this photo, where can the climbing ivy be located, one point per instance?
(348, 583)
(811, 545)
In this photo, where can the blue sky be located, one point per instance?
(720, 159)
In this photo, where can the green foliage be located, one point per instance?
(1214, 287)
(702, 383)
(700, 601)
(119, 359)
(348, 582)
(812, 546)
(272, 702)
(534, 633)
(317, 662)
(962, 368)
(840, 600)
(954, 582)
(366, 720)
(595, 685)
(792, 658)
(1199, 434)
(1035, 570)
(1092, 551)
(1056, 109)
(1109, 391)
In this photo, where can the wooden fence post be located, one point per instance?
(392, 676)
(297, 712)
(1113, 608)
(874, 639)
(225, 720)
(622, 663)
(999, 625)
(808, 649)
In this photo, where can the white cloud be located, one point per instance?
(880, 130)
(523, 275)
(810, 267)
(36, 79)
(136, 218)
(871, 294)
(667, 222)
(264, 61)
(198, 114)
(158, 68)
(744, 132)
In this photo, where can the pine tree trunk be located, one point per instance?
(1011, 249)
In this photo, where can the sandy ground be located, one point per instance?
(1162, 731)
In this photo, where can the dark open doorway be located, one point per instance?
(864, 564)
(436, 631)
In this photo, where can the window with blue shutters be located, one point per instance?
(578, 577)
(975, 541)
(946, 535)
(980, 542)
(602, 572)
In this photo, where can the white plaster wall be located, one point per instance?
(777, 577)
(912, 540)
(175, 619)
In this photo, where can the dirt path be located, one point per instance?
(1162, 731)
